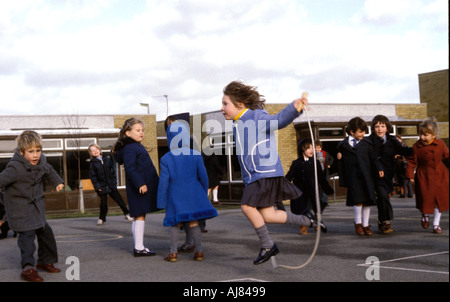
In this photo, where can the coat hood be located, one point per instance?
(178, 136)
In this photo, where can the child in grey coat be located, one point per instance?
(23, 181)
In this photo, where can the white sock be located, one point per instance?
(357, 210)
(215, 199)
(365, 216)
(138, 234)
(437, 217)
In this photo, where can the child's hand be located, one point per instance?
(412, 180)
(59, 187)
(339, 155)
(143, 189)
(381, 173)
(300, 103)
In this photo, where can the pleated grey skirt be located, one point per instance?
(266, 192)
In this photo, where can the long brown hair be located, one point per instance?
(128, 125)
(249, 96)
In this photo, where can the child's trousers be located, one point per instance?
(47, 252)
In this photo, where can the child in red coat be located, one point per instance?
(431, 175)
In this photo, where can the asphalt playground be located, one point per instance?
(91, 253)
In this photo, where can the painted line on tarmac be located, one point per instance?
(409, 269)
(244, 280)
(72, 238)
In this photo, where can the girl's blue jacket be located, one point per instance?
(183, 181)
(256, 146)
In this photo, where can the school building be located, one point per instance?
(66, 139)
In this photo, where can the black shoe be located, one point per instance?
(323, 227)
(313, 220)
(143, 253)
(265, 254)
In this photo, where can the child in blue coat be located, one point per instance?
(183, 189)
(265, 185)
(141, 179)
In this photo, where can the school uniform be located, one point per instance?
(431, 175)
(139, 171)
(183, 185)
(101, 173)
(25, 207)
(262, 172)
(302, 174)
(385, 150)
(356, 171)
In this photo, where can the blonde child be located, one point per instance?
(431, 175)
(23, 180)
(101, 173)
(141, 179)
(262, 173)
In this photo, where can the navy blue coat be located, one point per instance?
(301, 173)
(101, 173)
(183, 186)
(385, 156)
(357, 171)
(139, 171)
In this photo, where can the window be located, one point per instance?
(78, 143)
(7, 146)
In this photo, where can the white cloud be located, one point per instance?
(108, 56)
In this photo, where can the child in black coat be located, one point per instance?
(356, 168)
(301, 173)
(101, 173)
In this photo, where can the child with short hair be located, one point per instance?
(431, 175)
(101, 173)
(302, 174)
(23, 181)
(386, 147)
(356, 168)
(183, 190)
(141, 179)
(262, 173)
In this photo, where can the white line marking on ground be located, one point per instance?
(409, 269)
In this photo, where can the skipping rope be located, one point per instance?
(319, 215)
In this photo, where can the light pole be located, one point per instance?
(146, 105)
(167, 102)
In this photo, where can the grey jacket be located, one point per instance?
(23, 184)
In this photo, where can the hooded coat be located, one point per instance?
(24, 191)
(139, 171)
(183, 185)
(431, 175)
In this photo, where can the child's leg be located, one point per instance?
(357, 212)
(47, 250)
(103, 206)
(196, 234)
(174, 230)
(115, 195)
(365, 216)
(257, 220)
(27, 248)
(138, 228)
(270, 215)
(437, 217)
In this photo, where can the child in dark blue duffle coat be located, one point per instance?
(183, 189)
(141, 179)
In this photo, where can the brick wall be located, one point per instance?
(286, 139)
(150, 138)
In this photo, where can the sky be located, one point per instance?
(108, 56)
